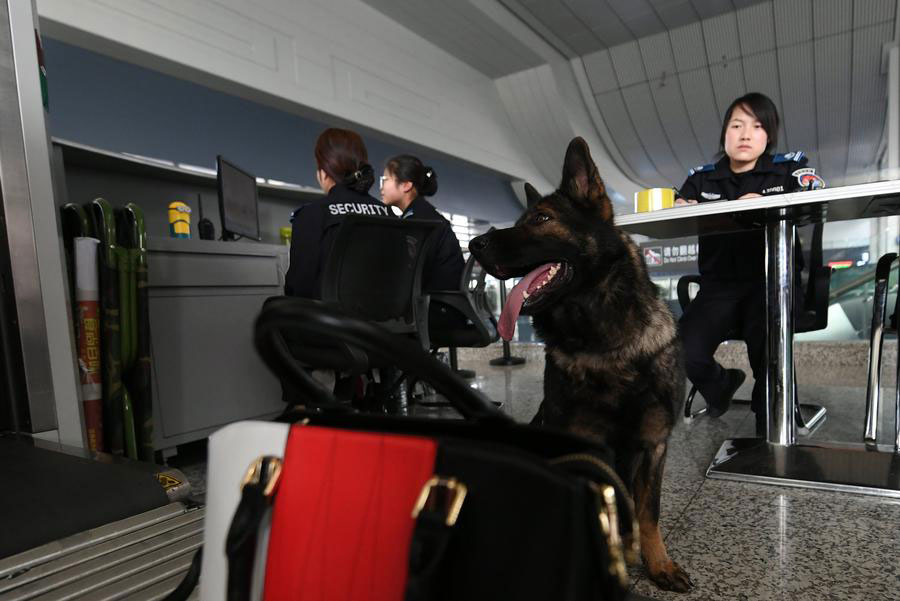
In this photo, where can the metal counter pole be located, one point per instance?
(507, 358)
(780, 315)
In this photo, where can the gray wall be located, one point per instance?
(113, 105)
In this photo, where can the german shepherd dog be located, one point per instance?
(613, 361)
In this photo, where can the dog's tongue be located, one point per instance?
(507, 324)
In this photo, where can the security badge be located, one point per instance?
(808, 179)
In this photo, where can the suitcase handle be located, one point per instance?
(310, 321)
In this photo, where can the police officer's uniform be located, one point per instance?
(314, 226)
(444, 262)
(732, 295)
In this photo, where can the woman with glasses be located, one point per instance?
(405, 184)
(345, 175)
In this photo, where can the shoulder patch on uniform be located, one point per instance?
(808, 179)
(795, 156)
(702, 168)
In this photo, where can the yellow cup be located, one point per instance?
(653, 199)
(285, 234)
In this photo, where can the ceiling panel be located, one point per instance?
(727, 82)
(615, 22)
(596, 14)
(831, 17)
(688, 47)
(463, 31)
(869, 96)
(638, 15)
(721, 37)
(674, 13)
(793, 21)
(582, 43)
(626, 59)
(600, 72)
(670, 106)
(702, 111)
(656, 51)
(833, 98)
(710, 8)
(653, 137)
(870, 12)
(756, 27)
(798, 97)
(617, 119)
(603, 21)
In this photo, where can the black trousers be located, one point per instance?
(724, 311)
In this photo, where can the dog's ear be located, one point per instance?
(581, 181)
(532, 196)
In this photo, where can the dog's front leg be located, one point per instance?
(667, 574)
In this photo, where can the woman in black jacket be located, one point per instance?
(732, 266)
(405, 184)
(345, 175)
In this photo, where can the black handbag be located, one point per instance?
(543, 515)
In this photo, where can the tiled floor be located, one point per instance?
(736, 540)
(747, 541)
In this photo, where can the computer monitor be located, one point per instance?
(238, 202)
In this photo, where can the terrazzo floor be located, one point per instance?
(737, 541)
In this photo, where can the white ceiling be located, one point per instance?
(461, 29)
(578, 27)
(662, 72)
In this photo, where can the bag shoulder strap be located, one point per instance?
(240, 545)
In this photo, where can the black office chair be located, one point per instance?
(810, 315)
(469, 302)
(373, 272)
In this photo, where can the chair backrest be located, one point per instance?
(814, 315)
(374, 270)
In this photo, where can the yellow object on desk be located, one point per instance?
(653, 199)
(179, 220)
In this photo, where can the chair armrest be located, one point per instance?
(456, 299)
(683, 289)
(465, 304)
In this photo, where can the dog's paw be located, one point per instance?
(672, 577)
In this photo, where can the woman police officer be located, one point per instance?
(732, 266)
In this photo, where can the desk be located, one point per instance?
(204, 297)
(779, 458)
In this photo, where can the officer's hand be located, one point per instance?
(681, 201)
(750, 195)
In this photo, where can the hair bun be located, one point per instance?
(361, 179)
(429, 185)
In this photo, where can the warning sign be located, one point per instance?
(167, 480)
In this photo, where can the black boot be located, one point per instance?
(733, 380)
